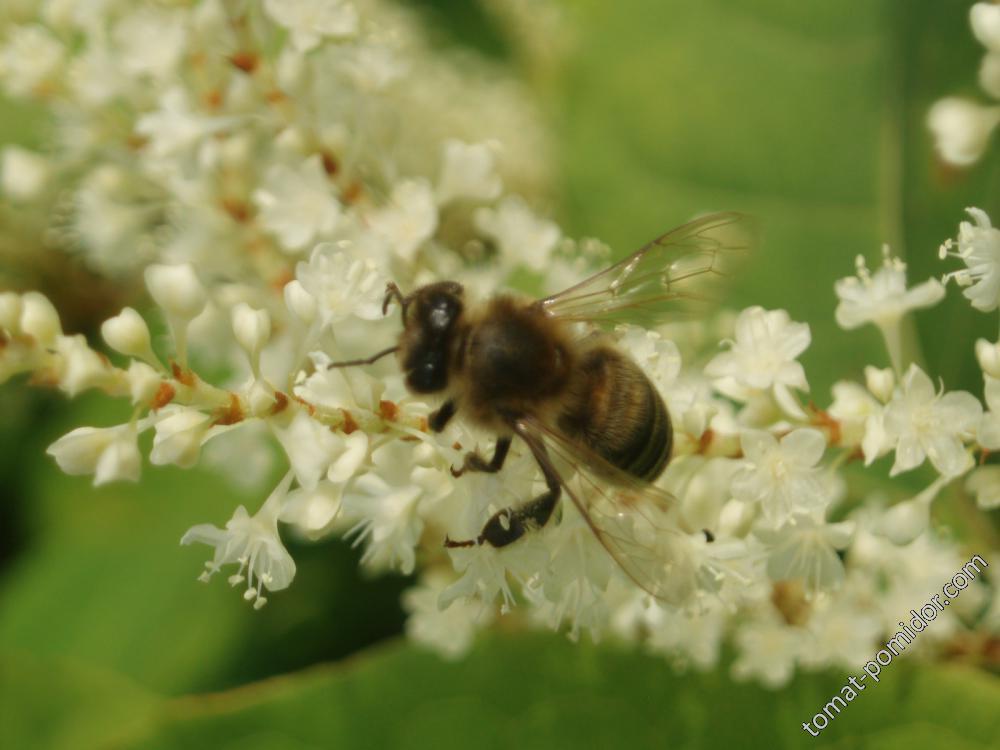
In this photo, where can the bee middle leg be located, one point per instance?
(510, 524)
(475, 462)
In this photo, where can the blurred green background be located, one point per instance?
(809, 116)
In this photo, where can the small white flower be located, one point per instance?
(448, 631)
(468, 173)
(384, 504)
(253, 543)
(299, 302)
(979, 249)
(409, 219)
(298, 205)
(961, 129)
(374, 66)
(924, 424)
(176, 128)
(309, 21)
(313, 513)
(315, 451)
(852, 407)
(95, 76)
(881, 298)
(110, 221)
(341, 285)
(150, 42)
(843, 633)
(985, 21)
(806, 548)
(180, 433)
(768, 649)
(523, 238)
(487, 570)
(23, 174)
(109, 453)
(571, 587)
(28, 58)
(688, 637)
(782, 476)
(763, 356)
(659, 358)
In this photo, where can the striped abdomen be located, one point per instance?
(617, 413)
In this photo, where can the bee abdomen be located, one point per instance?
(620, 416)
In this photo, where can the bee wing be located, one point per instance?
(647, 284)
(630, 518)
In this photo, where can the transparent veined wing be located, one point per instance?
(634, 521)
(649, 284)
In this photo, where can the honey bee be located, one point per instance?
(522, 368)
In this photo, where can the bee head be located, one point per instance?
(429, 316)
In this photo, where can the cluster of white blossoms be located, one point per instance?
(963, 127)
(269, 166)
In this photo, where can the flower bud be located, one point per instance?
(23, 174)
(176, 289)
(989, 74)
(127, 333)
(120, 460)
(260, 399)
(10, 311)
(300, 302)
(82, 367)
(39, 318)
(988, 356)
(985, 21)
(961, 129)
(179, 436)
(77, 451)
(109, 453)
(143, 382)
(252, 328)
(905, 521)
(880, 382)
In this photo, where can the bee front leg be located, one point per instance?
(510, 524)
(475, 462)
(439, 418)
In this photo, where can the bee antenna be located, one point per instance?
(392, 293)
(365, 361)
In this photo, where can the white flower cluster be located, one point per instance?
(962, 127)
(270, 168)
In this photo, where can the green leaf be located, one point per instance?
(808, 116)
(50, 704)
(542, 691)
(106, 581)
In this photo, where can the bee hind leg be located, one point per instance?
(510, 524)
(475, 462)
